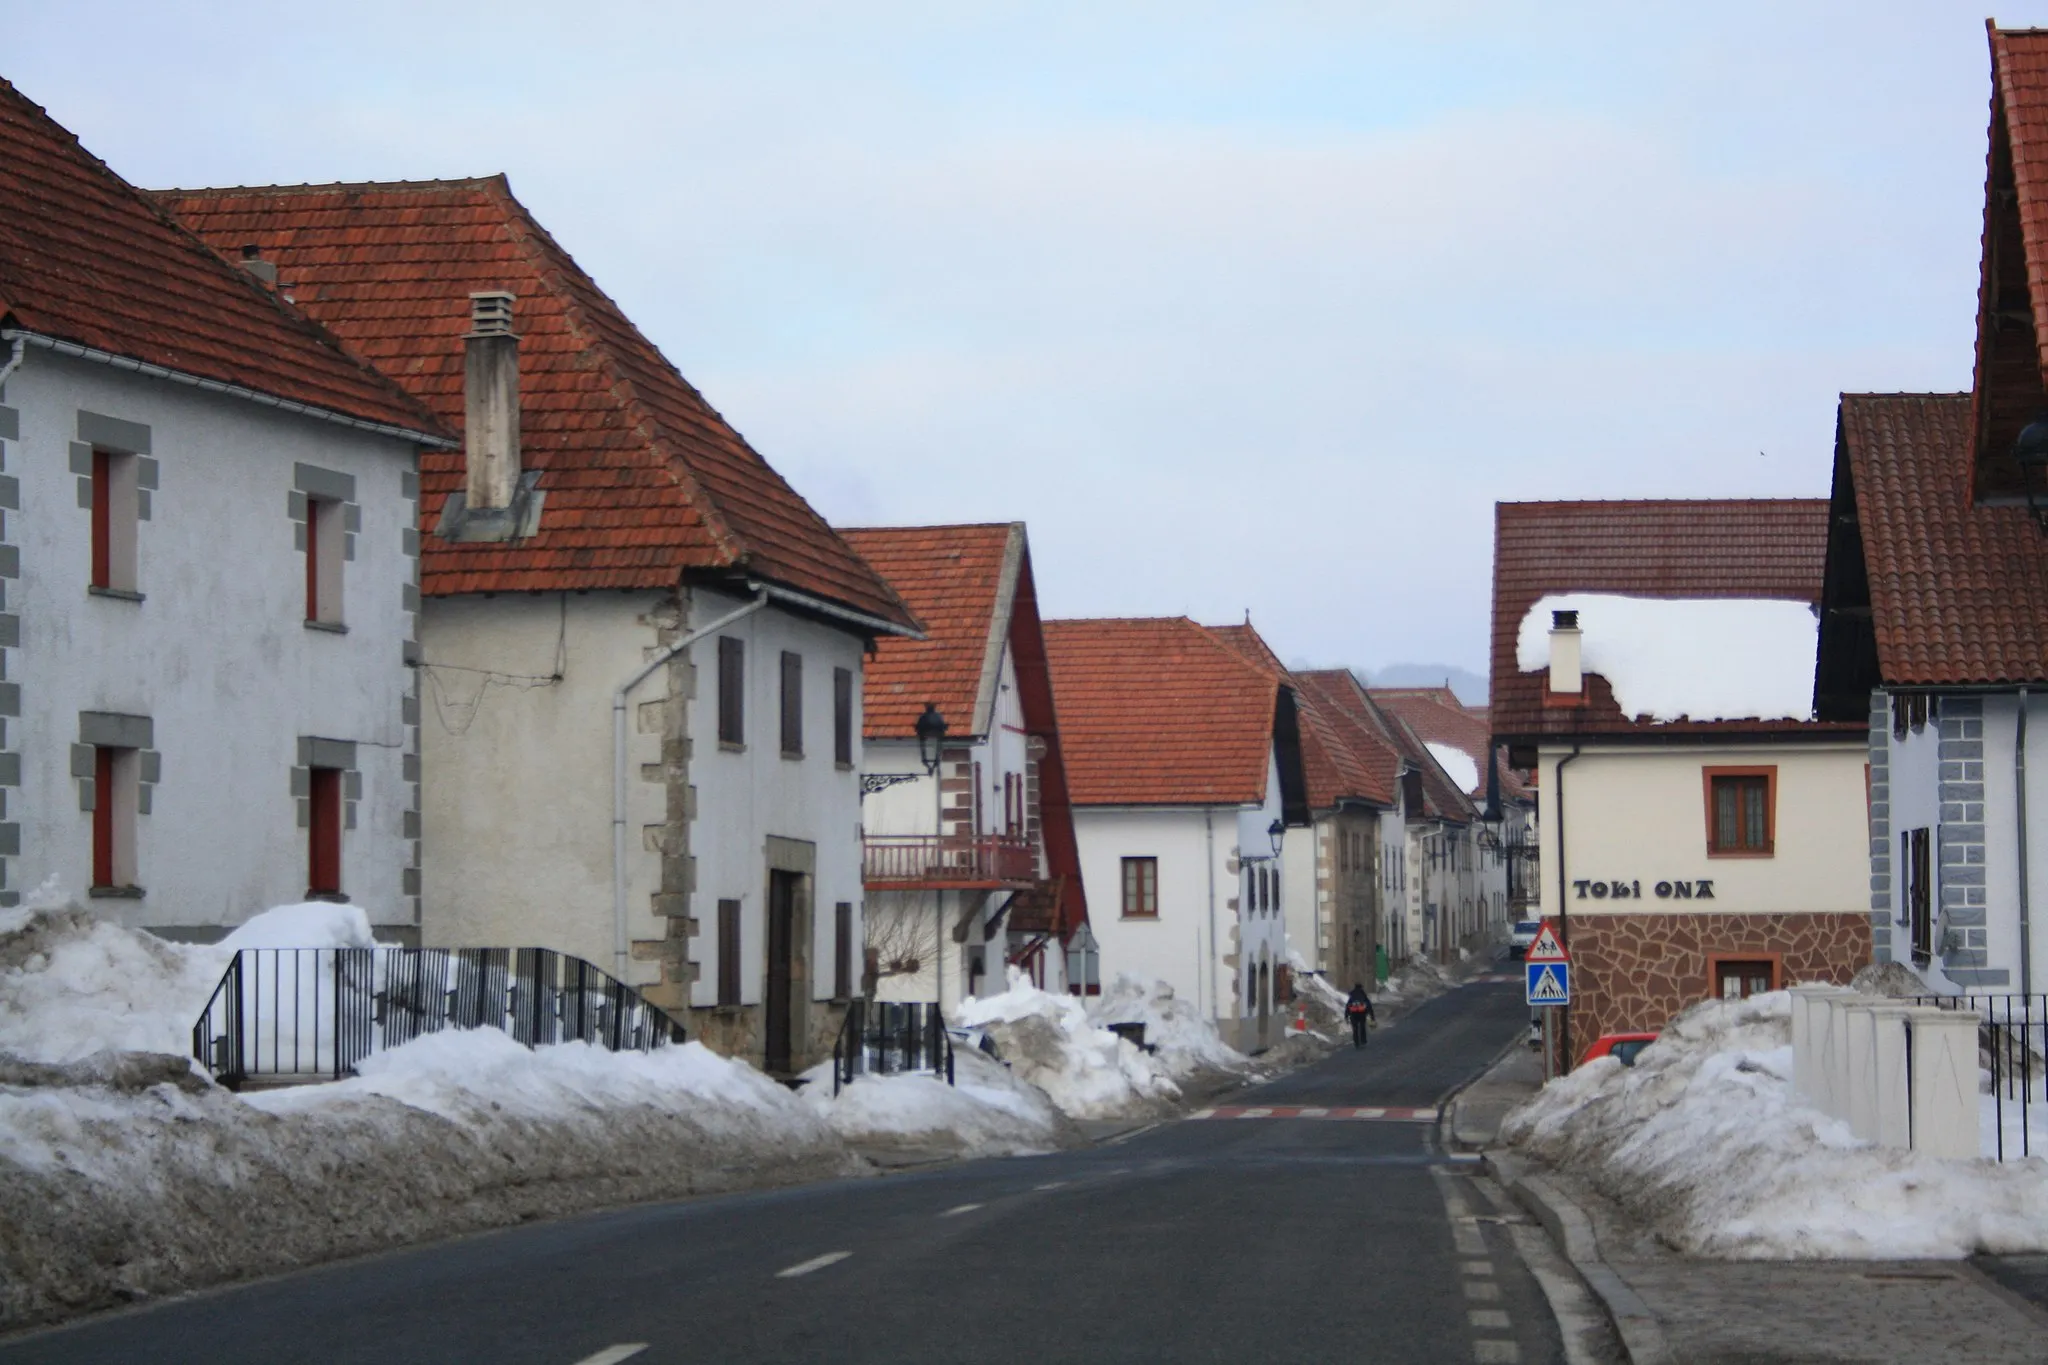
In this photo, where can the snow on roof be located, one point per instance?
(1456, 763)
(1722, 658)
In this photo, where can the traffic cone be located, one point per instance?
(1301, 1018)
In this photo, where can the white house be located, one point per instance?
(641, 650)
(208, 639)
(1184, 765)
(971, 862)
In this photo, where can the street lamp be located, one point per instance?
(931, 736)
(1276, 832)
(2031, 452)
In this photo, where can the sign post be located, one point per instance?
(1548, 985)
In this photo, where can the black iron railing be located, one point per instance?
(315, 1013)
(2012, 1032)
(886, 1038)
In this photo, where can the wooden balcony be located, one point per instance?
(930, 861)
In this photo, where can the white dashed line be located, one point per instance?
(1496, 1352)
(1051, 1185)
(959, 1209)
(806, 1267)
(1479, 1267)
(1484, 1291)
(1487, 1317)
(612, 1355)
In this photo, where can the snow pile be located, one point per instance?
(1706, 1141)
(1458, 765)
(1416, 980)
(1698, 658)
(72, 985)
(987, 1111)
(1086, 1070)
(1185, 1040)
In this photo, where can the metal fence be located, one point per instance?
(2012, 1043)
(885, 1038)
(315, 1013)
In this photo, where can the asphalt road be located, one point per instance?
(1222, 1239)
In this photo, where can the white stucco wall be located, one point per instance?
(518, 792)
(217, 654)
(1196, 885)
(1302, 900)
(743, 798)
(1638, 814)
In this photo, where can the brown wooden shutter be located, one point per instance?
(792, 704)
(842, 716)
(842, 950)
(323, 833)
(732, 682)
(728, 952)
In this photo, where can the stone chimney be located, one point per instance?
(253, 262)
(1565, 673)
(490, 389)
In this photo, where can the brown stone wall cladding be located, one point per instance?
(1633, 972)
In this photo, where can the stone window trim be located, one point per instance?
(311, 484)
(1769, 773)
(315, 752)
(114, 730)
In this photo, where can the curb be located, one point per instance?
(1642, 1337)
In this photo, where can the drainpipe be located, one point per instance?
(621, 947)
(13, 361)
(1564, 914)
(1209, 844)
(2019, 782)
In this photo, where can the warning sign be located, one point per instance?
(1546, 948)
(1550, 983)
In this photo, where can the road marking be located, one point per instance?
(1051, 1185)
(1487, 1317)
(1479, 1267)
(1482, 1290)
(612, 1355)
(1254, 1113)
(806, 1267)
(1496, 1352)
(1368, 1113)
(1314, 1113)
(959, 1209)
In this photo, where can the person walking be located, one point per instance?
(1358, 1009)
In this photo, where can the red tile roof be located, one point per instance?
(1770, 548)
(1383, 742)
(953, 577)
(1958, 591)
(1159, 712)
(644, 480)
(1332, 768)
(88, 259)
(1438, 717)
(2013, 272)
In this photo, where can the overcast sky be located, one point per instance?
(1240, 307)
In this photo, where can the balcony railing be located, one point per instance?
(932, 860)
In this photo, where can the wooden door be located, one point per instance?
(323, 835)
(781, 968)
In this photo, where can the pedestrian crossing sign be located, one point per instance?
(1550, 983)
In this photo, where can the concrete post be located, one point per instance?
(1893, 1123)
(1809, 1024)
(1944, 1080)
(1859, 1077)
(1833, 1060)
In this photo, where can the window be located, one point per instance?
(842, 951)
(117, 791)
(728, 952)
(842, 717)
(732, 696)
(1740, 978)
(323, 834)
(1916, 865)
(326, 539)
(1141, 888)
(115, 511)
(1274, 903)
(792, 705)
(1741, 811)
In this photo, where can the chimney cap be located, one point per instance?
(490, 312)
(1564, 620)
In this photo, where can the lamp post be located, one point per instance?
(1276, 832)
(931, 742)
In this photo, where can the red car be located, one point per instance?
(1623, 1047)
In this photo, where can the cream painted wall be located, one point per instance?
(217, 654)
(1195, 849)
(1638, 814)
(517, 838)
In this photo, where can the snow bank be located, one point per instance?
(1705, 1139)
(1086, 1070)
(1697, 658)
(988, 1111)
(72, 984)
(1458, 765)
(1187, 1041)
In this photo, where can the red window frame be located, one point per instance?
(1749, 784)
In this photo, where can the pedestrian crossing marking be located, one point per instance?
(1358, 1113)
(1547, 985)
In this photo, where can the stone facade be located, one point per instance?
(1961, 939)
(1880, 824)
(1634, 972)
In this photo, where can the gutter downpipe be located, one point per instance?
(1564, 914)
(621, 947)
(13, 362)
(2019, 782)
(1209, 846)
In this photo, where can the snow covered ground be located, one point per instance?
(1706, 1141)
(987, 1111)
